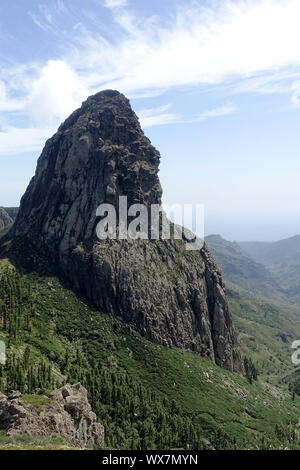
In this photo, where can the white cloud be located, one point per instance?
(8, 104)
(37, 21)
(283, 82)
(158, 116)
(55, 94)
(198, 46)
(240, 45)
(15, 140)
(115, 3)
(296, 93)
(228, 108)
(60, 6)
(235, 40)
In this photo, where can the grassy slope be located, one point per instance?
(24, 442)
(220, 398)
(266, 335)
(266, 327)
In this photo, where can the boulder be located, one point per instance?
(67, 414)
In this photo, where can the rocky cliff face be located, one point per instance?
(5, 219)
(67, 414)
(170, 295)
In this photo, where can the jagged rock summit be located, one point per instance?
(172, 296)
(98, 153)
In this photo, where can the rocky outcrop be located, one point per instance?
(5, 219)
(67, 414)
(169, 295)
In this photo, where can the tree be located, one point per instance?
(251, 371)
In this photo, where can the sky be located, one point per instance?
(215, 84)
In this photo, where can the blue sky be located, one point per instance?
(216, 85)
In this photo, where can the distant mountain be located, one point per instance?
(12, 212)
(282, 259)
(240, 271)
(274, 254)
(5, 219)
(248, 275)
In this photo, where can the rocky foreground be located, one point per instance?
(65, 413)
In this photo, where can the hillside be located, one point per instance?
(246, 274)
(242, 272)
(282, 259)
(267, 322)
(273, 254)
(146, 395)
(5, 219)
(266, 335)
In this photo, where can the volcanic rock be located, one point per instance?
(170, 295)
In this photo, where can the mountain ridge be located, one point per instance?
(251, 276)
(282, 259)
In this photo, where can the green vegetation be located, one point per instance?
(17, 320)
(266, 336)
(293, 381)
(267, 329)
(37, 401)
(251, 371)
(146, 396)
(25, 442)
